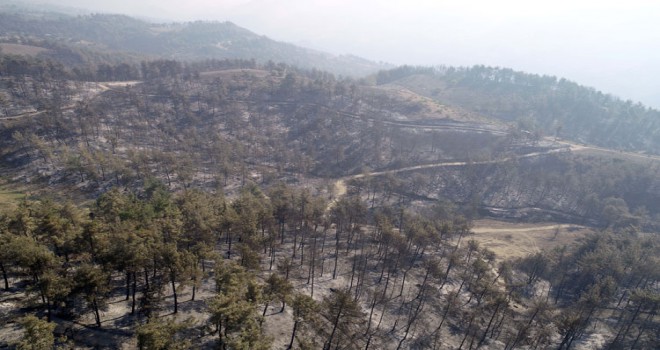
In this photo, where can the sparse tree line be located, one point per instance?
(70, 262)
(402, 280)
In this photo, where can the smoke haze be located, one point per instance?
(613, 46)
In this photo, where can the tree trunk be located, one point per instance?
(42, 292)
(48, 310)
(313, 268)
(334, 271)
(4, 276)
(328, 344)
(293, 335)
(642, 327)
(272, 257)
(467, 332)
(632, 321)
(146, 279)
(229, 242)
(133, 294)
(97, 315)
(490, 322)
(366, 347)
(128, 285)
(311, 262)
(371, 314)
(302, 248)
(382, 270)
(410, 323)
(219, 330)
(325, 230)
(353, 267)
(444, 316)
(295, 241)
(444, 279)
(403, 281)
(525, 328)
(176, 304)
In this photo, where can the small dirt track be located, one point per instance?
(102, 87)
(340, 184)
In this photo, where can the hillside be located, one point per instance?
(547, 105)
(274, 122)
(242, 203)
(95, 38)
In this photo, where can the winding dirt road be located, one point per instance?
(340, 184)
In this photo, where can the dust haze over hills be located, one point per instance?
(609, 45)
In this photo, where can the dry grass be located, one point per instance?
(433, 109)
(9, 196)
(18, 49)
(260, 73)
(514, 240)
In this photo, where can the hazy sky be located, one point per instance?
(611, 45)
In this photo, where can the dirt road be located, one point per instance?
(577, 148)
(340, 184)
(101, 87)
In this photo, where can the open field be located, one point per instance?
(515, 240)
(18, 49)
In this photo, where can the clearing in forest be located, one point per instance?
(8, 197)
(515, 240)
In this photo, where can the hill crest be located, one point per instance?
(103, 34)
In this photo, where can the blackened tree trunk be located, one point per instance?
(133, 293)
(97, 315)
(293, 335)
(490, 322)
(334, 271)
(128, 285)
(4, 275)
(335, 324)
(176, 303)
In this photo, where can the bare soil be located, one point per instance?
(515, 240)
(18, 49)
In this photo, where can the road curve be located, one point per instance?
(340, 187)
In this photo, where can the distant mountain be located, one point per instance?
(103, 34)
(544, 104)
